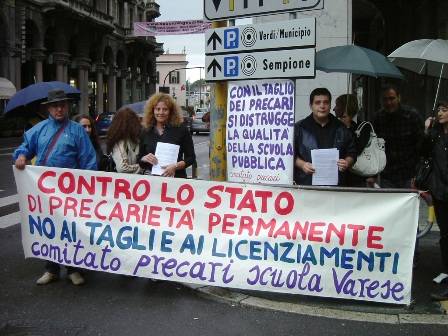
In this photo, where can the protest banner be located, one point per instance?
(260, 131)
(313, 242)
(171, 27)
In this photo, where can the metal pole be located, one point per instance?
(438, 87)
(218, 116)
(200, 88)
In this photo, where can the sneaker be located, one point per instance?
(46, 278)
(442, 296)
(76, 278)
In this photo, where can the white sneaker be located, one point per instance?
(46, 278)
(76, 278)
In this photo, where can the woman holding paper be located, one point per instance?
(166, 147)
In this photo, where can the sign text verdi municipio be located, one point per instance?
(226, 9)
(276, 35)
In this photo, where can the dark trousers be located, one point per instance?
(399, 184)
(441, 209)
(54, 268)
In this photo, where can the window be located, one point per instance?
(174, 77)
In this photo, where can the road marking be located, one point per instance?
(4, 201)
(10, 220)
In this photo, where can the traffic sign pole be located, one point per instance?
(218, 117)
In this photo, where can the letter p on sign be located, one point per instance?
(231, 38)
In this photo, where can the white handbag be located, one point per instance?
(372, 159)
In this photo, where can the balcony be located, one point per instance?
(152, 10)
(81, 8)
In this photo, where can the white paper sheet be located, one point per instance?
(324, 162)
(166, 154)
(440, 278)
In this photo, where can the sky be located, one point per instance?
(174, 10)
(177, 10)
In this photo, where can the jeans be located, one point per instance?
(441, 209)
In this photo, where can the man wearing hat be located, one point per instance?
(57, 142)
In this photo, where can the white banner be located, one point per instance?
(260, 131)
(322, 243)
(171, 27)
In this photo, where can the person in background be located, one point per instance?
(435, 146)
(163, 123)
(346, 108)
(321, 130)
(402, 129)
(57, 142)
(123, 141)
(88, 124)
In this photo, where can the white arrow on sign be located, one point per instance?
(275, 35)
(228, 9)
(293, 63)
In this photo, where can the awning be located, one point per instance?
(7, 89)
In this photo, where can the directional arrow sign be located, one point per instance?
(294, 63)
(288, 34)
(227, 9)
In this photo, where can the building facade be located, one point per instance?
(87, 43)
(171, 73)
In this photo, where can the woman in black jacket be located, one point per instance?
(163, 123)
(435, 146)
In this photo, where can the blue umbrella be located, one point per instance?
(137, 107)
(356, 60)
(38, 92)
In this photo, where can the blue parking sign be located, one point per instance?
(231, 65)
(231, 38)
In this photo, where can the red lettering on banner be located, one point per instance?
(371, 237)
(213, 220)
(133, 210)
(40, 182)
(283, 231)
(97, 213)
(340, 233)
(186, 219)
(85, 209)
(145, 193)
(355, 235)
(71, 183)
(172, 211)
(264, 195)
(117, 212)
(227, 223)
(216, 198)
(70, 204)
(55, 203)
(188, 198)
(315, 234)
(84, 185)
(247, 202)
(233, 192)
(163, 196)
(301, 229)
(246, 224)
(103, 180)
(153, 215)
(290, 203)
(122, 186)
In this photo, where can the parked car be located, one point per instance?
(198, 124)
(103, 122)
(187, 118)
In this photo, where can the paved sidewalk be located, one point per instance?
(421, 311)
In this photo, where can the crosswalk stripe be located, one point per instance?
(10, 220)
(4, 201)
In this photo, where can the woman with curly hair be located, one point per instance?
(163, 123)
(122, 141)
(88, 124)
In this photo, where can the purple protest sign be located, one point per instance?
(171, 27)
(260, 131)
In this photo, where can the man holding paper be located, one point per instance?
(324, 148)
(166, 147)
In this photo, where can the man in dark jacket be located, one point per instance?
(402, 128)
(321, 130)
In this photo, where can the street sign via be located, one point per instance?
(229, 9)
(293, 63)
(287, 34)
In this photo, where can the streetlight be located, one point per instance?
(164, 88)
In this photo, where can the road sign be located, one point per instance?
(228, 9)
(293, 63)
(288, 34)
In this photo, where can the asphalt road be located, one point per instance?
(120, 305)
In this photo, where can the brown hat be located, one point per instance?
(55, 96)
